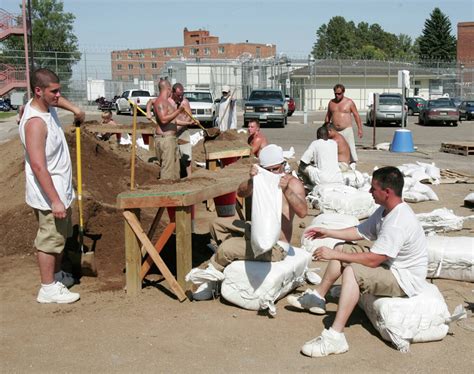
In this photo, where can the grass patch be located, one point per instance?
(4, 115)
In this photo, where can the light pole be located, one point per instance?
(462, 81)
(288, 82)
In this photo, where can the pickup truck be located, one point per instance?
(203, 106)
(140, 97)
(268, 106)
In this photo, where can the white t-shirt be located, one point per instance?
(323, 153)
(58, 160)
(400, 236)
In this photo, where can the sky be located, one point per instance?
(104, 25)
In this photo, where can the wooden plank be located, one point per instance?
(460, 148)
(159, 247)
(153, 227)
(211, 165)
(120, 129)
(133, 260)
(183, 244)
(237, 152)
(137, 229)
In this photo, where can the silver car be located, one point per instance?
(389, 110)
(439, 111)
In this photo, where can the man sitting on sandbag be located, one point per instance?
(233, 237)
(343, 150)
(395, 265)
(319, 163)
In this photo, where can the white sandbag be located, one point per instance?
(403, 320)
(421, 171)
(433, 172)
(344, 200)
(328, 221)
(451, 257)
(258, 285)
(415, 192)
(266, 211)
(469, 198)
(355, 178)
(441, 220)
(196, 137)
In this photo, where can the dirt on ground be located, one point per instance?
(107, 331)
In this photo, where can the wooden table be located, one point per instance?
(203, 185)
(124, 129)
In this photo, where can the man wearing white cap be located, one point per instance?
(227, 110)
(233, 237)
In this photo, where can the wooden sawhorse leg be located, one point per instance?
(134, 229)
(184, 252)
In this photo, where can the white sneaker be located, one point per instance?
(206, 291)
(309, 301)
(325, 345)
(58, 294)
(65, 278)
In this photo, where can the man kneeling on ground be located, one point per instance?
(233, 236)
(395, 265)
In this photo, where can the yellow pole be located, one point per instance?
(134, 142)
(79, 185)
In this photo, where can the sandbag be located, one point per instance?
(344, 200)
(415, 192)
(266, 211)
(355, 178)
(258, 285)
(441, 220)
(451, 257)
(403, 320)
(328, 221)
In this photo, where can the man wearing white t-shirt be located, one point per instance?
(395, 265)
(319, 162)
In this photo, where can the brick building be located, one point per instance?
(146, 64)
(465, 46)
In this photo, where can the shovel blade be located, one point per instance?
(88, 264)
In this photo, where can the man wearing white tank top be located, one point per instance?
(48, 173)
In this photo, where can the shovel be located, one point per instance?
(88, 265)
(208, 133)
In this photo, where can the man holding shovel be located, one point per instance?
(227, 110)
(48, 171)
(165, 138)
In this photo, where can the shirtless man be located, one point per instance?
(257, 140)
(182, 120)
(339, 113)
(165, 138)
(343, 150)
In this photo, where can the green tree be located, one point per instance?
(54, 43)
(342, 39)
(436, 41)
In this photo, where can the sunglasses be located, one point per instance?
(338, 93)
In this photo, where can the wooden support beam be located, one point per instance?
(134, 224)
(183, 244)
(159, 247)
(133, 258)
(153, 227)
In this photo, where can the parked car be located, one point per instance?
(389, 110)
(202, 104)
(268, 106)
(439, 111)
(414, 105)
(4, 106)
(291, 105)
(466, 110)
(140, 97)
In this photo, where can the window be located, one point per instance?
(154, 65)
(142, 77)
(130, 77)
(130, 66)
(142, 65)
(179, 52)
(257, 51)
(167, 52)
(119, 56)
(207, 51)
(194, 51)
(221, 50)
(154, 54)
(119, 67)
(130, 55)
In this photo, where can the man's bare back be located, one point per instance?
(343, 150)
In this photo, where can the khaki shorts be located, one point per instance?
(378, 281)
(52, 232)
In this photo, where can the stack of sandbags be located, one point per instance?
(343, 200)
(404, 320)
(451, 257)
(258, 285)
(415, 192)
(441, 220)
(328, 221)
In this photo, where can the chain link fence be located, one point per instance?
(308, 81)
